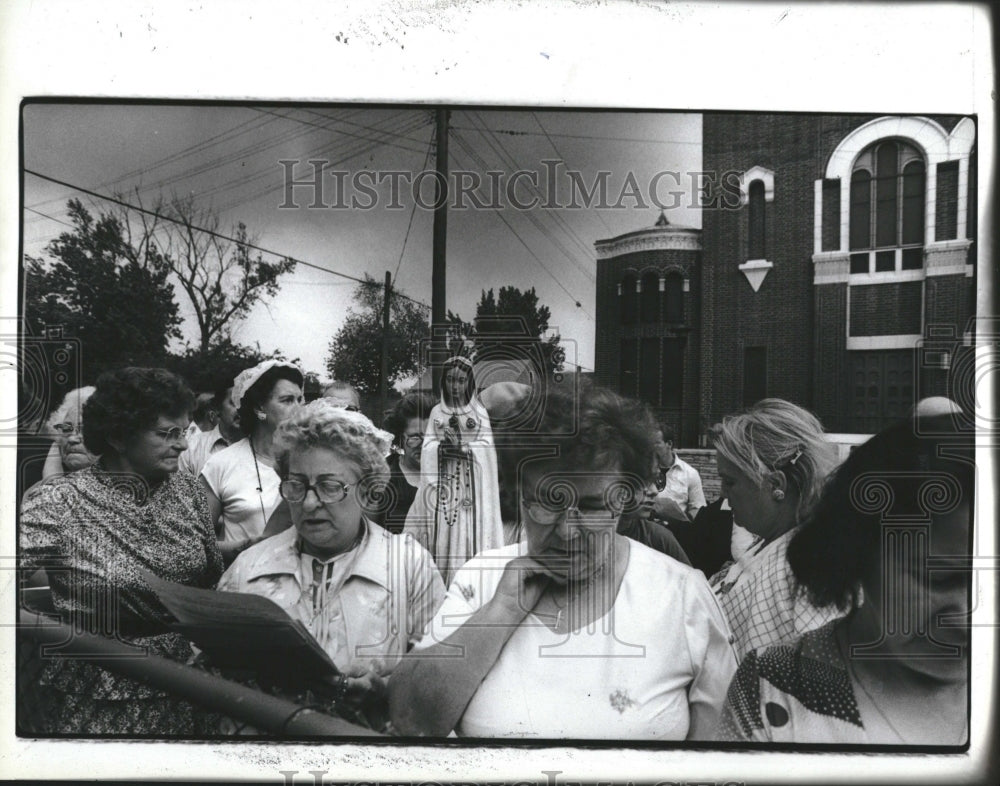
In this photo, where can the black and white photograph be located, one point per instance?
(423, 429)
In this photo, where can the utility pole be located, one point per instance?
(383, 380)
(438, 291)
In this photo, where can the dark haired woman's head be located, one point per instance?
(458, 383)
(136, 417)
(914, 477)
(592, 432)
(272, 397)
(407, 423)
(589, 463)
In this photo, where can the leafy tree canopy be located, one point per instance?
(355, 351)
(102, 292)
(509, 324)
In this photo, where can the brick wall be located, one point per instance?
(831, 397)
(780, 314)
(886, 309)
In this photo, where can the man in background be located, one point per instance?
(681, 496)
(226, 431)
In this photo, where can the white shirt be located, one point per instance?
(684, 487)
(232, 476)
(631, 675)
(201, 445)
(367, 605)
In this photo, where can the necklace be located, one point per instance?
(561, 607)
(260, 485)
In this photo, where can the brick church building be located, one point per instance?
(837, 271)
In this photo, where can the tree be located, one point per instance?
(512, 325)
(355, 351)
(203, 370)
(223, 279)
(113, 297)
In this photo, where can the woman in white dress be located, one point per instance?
(456, 513)
(241, 480)
(575, 632)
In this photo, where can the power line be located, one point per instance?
(52, 218)
(511, 132)
(217, 139)
(413, 211)
(510, 162)
(346, 133)
(210, 232)
(352, 150)
(465, 146)
(563, 159)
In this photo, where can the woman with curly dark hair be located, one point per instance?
(96, 530)
(887, 542)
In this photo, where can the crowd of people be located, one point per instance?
(569, 583)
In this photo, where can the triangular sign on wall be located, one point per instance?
(756, 271)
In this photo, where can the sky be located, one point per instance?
(228, 157)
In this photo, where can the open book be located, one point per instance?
(243, 631)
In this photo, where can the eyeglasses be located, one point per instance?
(547, 516)
(412, 440)
(68, 428)
(352, 408)
(170, 434)
(327, 490)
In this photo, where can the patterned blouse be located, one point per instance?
(92, 531)
(764, 605)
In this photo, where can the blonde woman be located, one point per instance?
(773, 460)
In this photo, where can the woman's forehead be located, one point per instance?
(323, 460)
(164, 421)
(586, 483)
(284, 387)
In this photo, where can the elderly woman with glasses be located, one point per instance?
(68, 452)
(576, 631)
(363, 593)
(96, 530)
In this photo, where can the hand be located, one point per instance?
(363, 686)
(523, 581)
(450, 436)
(665, 508)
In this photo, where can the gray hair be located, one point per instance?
(73, 401)
(322, 424)
(773, 435)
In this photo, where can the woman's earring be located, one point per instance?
(778, 495)
(261, 416)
